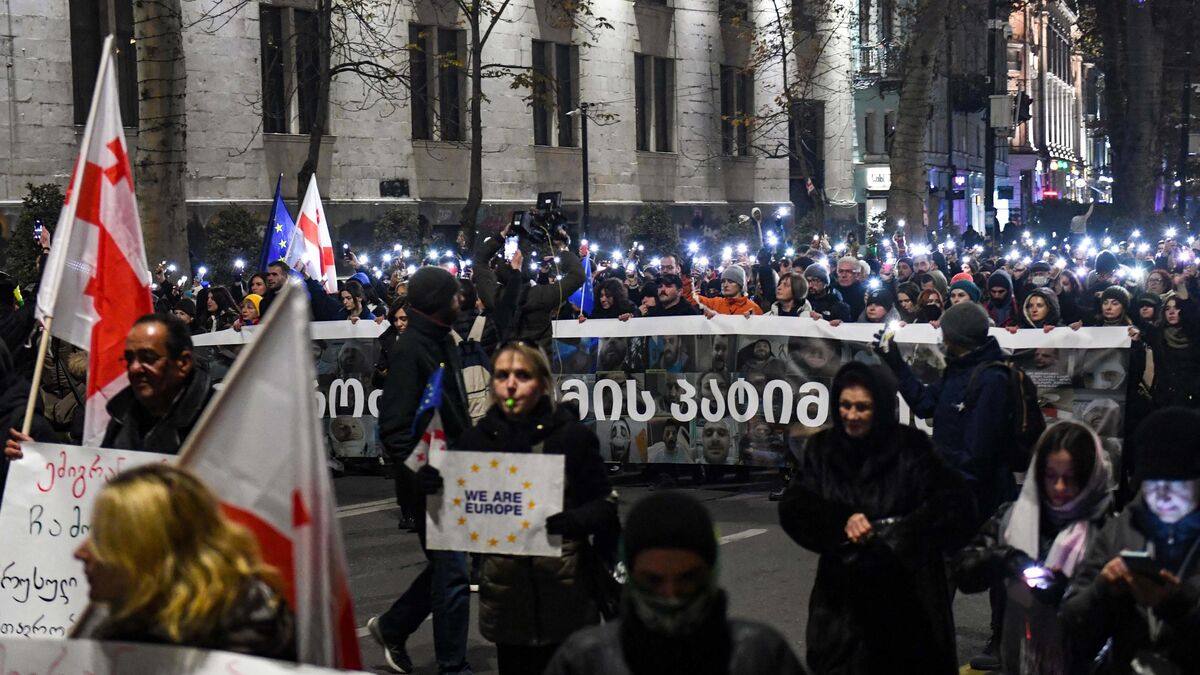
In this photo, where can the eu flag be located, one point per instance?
(431, 398)
(280, 229)
(583, 298)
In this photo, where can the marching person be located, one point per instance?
(881, 509)
(528, 606)
(733, 298)
(442, 587)
(165, 566)
(1035, 545)
(1146, 613)
(673, 615)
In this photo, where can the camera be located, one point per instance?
(545, 222)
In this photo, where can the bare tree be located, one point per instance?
(161, 158)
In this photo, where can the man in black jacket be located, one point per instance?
(442, 587)
(826, 301)
(673, 618)
(671, 300)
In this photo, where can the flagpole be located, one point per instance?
(55, 259)
(38, 367)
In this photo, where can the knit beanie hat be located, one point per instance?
(187, 306)
(1106, 263)
(907, 261)
(736, 274)
(967, 286)
(431, 289)
(961, 276)
(255, 299)
(669, 520)
(361, 277)
(881, 297)
(1116, 293)
(1167, 445)
(1149, 299)
(817, 271)
(965, 324)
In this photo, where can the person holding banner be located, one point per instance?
(529, 606)
(165, 566)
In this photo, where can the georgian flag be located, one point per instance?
(312, 243)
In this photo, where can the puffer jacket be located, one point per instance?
(526, 600)
(738, 305)
(830, 305)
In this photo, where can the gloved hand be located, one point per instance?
(891, 357)
(1016, 562)
(565, 524)
(428, 480)
(1053, 591)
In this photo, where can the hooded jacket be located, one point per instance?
(539, 600)
(1005, 314)
(1053, 315)
(892, 474)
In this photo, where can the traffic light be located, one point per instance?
(1024, 107)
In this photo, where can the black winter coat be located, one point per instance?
(882, 606)
(830, 306)
(14, 394)
(527, 600)
(132, 428)
(968, 436)
(415, 355)
(1093, 613)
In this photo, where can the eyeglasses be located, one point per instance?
(148, 359)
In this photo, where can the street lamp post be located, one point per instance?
(583, 125)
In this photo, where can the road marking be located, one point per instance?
(366, 507)
(744, 534)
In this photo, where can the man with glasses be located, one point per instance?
(854, 292)
(166, 392)
(826, 302)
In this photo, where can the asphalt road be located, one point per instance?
(767, 576)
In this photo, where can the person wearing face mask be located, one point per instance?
(673, 612)
(1146, 613)
(1033, 547)
(528, 606)
(881, 509)
(1039, 276)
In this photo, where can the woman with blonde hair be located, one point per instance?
(165, 566)
(528, 606)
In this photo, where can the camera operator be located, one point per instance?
(525, 313)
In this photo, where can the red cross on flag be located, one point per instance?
(316, 247)
(432, 442)
(96, 282)
(273, 478)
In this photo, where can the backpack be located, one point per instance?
(1025, 420)
(477, 369)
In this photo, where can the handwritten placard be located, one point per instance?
(496, 502)
(79, 657)
(45, 516)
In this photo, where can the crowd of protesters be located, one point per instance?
(1082, 576)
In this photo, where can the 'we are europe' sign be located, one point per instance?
(496, 502)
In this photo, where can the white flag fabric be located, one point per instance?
(259, 447)
(432, 442)
(96, 282)
(315, 247)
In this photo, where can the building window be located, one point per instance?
(555, 93)
(737, 107)
(289, 47)
(870, 135)
(654, 94)
(91, 21)
(734, 10)
(437, 82)
(889, 130)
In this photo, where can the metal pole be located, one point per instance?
(948, 221)
(989, 133)
(583, 125)
(1184, 135)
